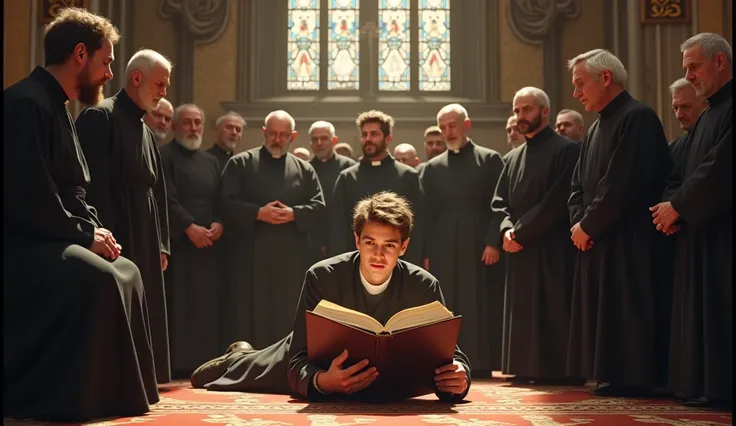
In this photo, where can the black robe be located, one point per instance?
(701, 191)
(327, 172)
(624, 163)
(75, 344)
(364, 179)
(532, 196)
(663, 254)
(221, 155)
(458, 191)
(128, 189)
(268, 261)
(193, 275)
(420, 167)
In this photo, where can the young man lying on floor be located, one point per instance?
(371, 280)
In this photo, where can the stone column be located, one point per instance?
(635, 48)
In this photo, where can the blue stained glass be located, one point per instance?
(303, 45)
(393, 45)
(343, 45)
(434, 45)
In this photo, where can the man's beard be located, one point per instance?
(323, 154)
(160, 135)
(90, 93)
(378, 149)
(191, 143)
(149, 103)
(276, 150)
(229, 145)
(531, 127)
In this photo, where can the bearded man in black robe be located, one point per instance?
(377, 171)
(270, 202)
(229, 128)
(462, 237)
(195, 268)
(698, 208)
(531, 198)
(623, 165)
(75, 344)
(371, 280)
(127, 183)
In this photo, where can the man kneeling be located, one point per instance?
(371, 280)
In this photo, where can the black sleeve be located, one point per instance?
(31, 200)
(708, 192)
(435, 293)
(179, 218)
(551, 210)
(415, 253)
(95, 136)
(500, 203)
(339, 215)
(307, 216)
(575, 203)
(493, 232)
(159, 191)
(630, 174)
(237, 214)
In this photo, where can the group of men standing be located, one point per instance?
(79, 194)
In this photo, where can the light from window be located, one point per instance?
(303, 45)
(343, 45)
(434, 45)
(394, 62)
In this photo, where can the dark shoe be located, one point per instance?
(240, 346)
(698, 401)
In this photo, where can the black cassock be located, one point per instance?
(75, 344)
(701, 191)
(128, 189)
(624, 163)
(336, 279)
(269, 261)
(458, 191)
(221, 155)
(532, 196)
(327, 172)
(193, 275)
(367, 178)
(663, 254)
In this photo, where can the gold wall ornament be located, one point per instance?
(49, 9)
(665, 11)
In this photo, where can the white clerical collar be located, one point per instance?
(375, 163)
(374, 289)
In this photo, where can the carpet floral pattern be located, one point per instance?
(490, 403)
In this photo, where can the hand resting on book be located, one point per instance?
(451, 378)
(347, 381)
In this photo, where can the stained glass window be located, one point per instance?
(434, 45)
(344, 45)
(303, 45)
(394, 62)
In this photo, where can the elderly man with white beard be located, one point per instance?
(194, 274)
(127, 185)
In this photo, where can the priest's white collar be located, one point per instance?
(374, 289)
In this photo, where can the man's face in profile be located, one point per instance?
(380, 247)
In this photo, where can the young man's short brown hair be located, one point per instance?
(386, 208)
(373, 116)
(71, 27)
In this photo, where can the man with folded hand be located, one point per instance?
(371, 280)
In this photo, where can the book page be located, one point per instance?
(347, 316)
(419, 315)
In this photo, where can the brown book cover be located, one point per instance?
(405, 359)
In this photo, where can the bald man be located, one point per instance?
(303, 153)
(159, 121)
(407, 154)
(570, 123)
(344, 148)
(270, 201)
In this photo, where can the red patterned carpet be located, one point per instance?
(492, 402)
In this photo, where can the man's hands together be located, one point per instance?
(105, 245)
(275, 213)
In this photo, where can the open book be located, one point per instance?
(406, 351)
(408, 318)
